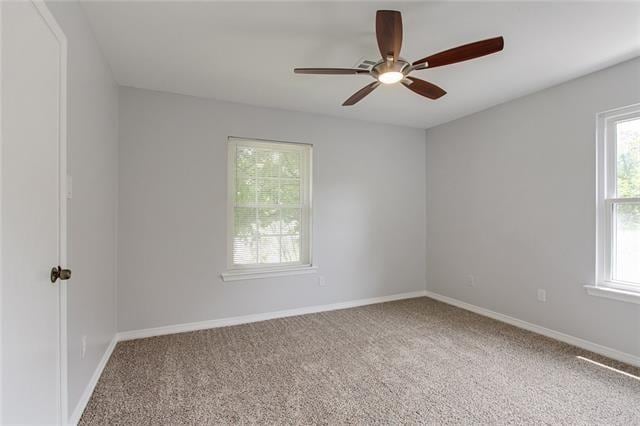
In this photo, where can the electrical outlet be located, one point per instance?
(322, 281)
(84, 347)
(542, 295)
(471, 281)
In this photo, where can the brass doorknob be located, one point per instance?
(58, 272)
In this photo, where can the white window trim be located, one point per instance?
(605, 286)
(240, 275)
(605, 290)
(247, 272)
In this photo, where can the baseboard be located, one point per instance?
(566, 338)
(88, 390)
(223, 322)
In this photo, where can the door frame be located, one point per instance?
(62, 395)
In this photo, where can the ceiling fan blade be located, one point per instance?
(463, 53)
(333, 71)
(389, 33)
(424, 88)
(356, 97)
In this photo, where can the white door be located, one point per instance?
(33, 212)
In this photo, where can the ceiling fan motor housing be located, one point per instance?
(385, 66)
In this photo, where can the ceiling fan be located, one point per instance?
(393, 69)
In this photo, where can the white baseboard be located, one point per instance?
(575, 341)
(88, 390)
(223, 322)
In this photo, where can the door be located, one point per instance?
(33, 156)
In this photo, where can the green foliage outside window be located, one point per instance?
(628, 171)
(268, 202)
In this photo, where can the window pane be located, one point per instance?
(291, 164)
(244, 222)
(269, 249)
(245, 162)
(291, 221)
(244, 250)
(290, 249)
(269, 221)
(245, 190)
(626, 265)
(268, 191)
(290, 191)
(628, 158)
(268, 163)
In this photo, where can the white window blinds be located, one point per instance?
(270, 203)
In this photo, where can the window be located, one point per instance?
(269, 208)
(618, 236)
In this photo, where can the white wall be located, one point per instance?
(93, 156)
(511, 200)
(369, 207)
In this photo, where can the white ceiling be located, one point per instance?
(245, 52)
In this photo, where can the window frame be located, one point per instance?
(305, 265)
(607, 200)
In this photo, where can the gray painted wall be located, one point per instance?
(369, 210)
(511, 200)
(93, 156)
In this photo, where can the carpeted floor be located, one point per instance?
(412, 361)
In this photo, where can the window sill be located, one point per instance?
(240, 275)
(613, 293)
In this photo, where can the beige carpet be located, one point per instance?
(413, 361)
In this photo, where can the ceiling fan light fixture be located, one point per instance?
(390, 77)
